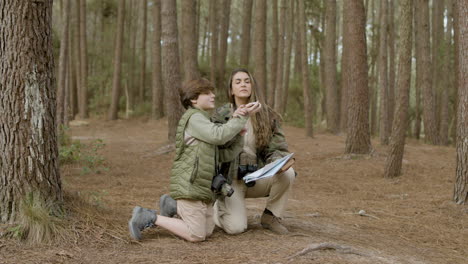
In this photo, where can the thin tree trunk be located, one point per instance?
(172, 78)
(373, 68)
(344, 87)
(460, 195)
(214, 40)
(246, 22)
(394, 161)
(273, 62)
(259, 46)
(330, 66)
(437, 40)
(116, 81)
(417, 53)
(278, 86)
(383, 75)
(189, 43)
(429, 111)
(28, 140)
(456, 65)
(130, 89)
(141, 91)
(308, 109)
(223, 39)
(63, 62)
(392, 68)
(84, 62)
(77, 55)
(355, 78)
(288, 57)
(158, 89)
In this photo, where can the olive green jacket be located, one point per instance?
(276, 149)
(194, 164)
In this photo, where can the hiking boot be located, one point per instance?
(141, 218)
(167, 206)
(273, 223)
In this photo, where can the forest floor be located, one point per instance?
(410, 219)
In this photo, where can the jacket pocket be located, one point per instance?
(195, 171)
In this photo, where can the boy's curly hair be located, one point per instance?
(192, 89)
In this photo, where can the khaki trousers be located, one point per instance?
(198, 216)
(230, 213)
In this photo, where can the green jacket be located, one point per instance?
(276, 149)
(194, 164)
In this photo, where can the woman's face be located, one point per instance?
(204, 101)
(241, 86)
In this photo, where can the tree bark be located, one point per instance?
(417, 54)
(355, 78)
(394, 161)
(142, 88)
(63, 62)
(278, 86)
(246, 22)
(460, 195)
(223, 40)
(84, 113)
(116, 81)
(189, 43)
(383, 75)
(274, 55)
(77, 55)
(456, 65)
(288, 57)
(259, 46)
(158, 89)
(330, 66)
(308, 109)
(28, 139)
(214, 41)
(391, 65)
(429, 110)
(172, 79)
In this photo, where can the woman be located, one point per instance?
(195, 165)
(264, 142)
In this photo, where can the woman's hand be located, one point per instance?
(253, 107)
(240, 111)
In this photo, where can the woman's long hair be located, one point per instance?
(262, 120)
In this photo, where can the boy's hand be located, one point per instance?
(253, 107)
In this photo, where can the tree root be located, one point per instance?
(327, 246)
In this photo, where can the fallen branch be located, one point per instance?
(327, 246)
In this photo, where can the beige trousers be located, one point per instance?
(230, 213)
(198, 216)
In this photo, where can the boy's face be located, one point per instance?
(204, 101)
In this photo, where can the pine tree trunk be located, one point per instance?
(142, 88)
(394, 160)
(330, 66)
(273, 62)
(189, 43)
(383, 76)
(345, 66)
(172, 79)
(417, 55)
(373, 94)
(28, 139)
(214, 41)
(63, 62)
(391, 65)
(259, 46)
(130, 89)
(158, 89)
(83, 62)
(355, 78)
(460, 195)
(77, 55)
(278, 86)
(308, 109)
(288, 57)
(456, 65)
(246, 22)
(223, 40)
(116, 81)
(429, 110)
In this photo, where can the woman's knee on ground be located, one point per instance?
(287, 177)
(234, 228)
